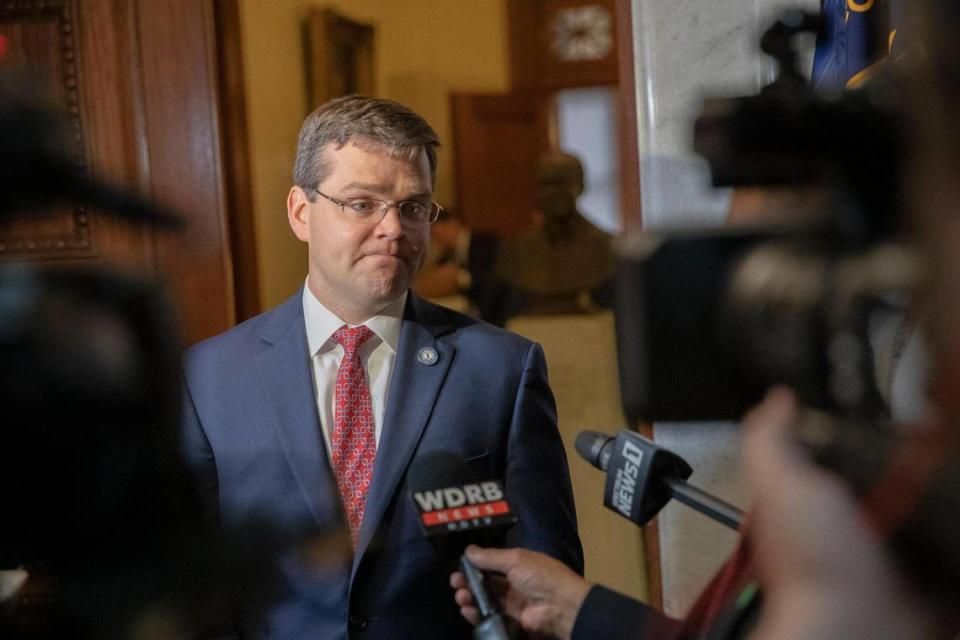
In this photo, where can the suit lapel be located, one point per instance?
(284, 368)
(413, 391)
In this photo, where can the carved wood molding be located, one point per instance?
(43, 35)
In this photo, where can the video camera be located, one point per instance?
(708, 320)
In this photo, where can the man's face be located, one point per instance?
(356, 269)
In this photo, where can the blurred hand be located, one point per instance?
(543, 594)
(825, 573)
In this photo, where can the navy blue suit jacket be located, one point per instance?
(252, 434)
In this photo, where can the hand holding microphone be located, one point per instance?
(541, 592)
(454, 511)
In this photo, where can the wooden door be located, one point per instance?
(144, 84)
(497, 139)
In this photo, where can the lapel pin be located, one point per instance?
(427, 356)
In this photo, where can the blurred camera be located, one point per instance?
(708, 320)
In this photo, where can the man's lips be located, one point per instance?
(386, 258)
(389, 251)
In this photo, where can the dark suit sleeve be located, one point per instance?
(612, 616)
(537, 478)
(198, 455)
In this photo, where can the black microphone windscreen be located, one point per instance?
(451, 502)
(438, 469)
(590, 445)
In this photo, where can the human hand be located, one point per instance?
(543, 594)
(825, 573)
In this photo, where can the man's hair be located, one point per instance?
(364, 121)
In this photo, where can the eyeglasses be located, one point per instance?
(372, 211)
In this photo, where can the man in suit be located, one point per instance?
(309, 416)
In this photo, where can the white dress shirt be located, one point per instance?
(377, 354)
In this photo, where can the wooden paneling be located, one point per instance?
(111, 104)
(141, 82)
(43, 37)
(498, 140)
(236, 159)
(178, 63)
(538, 31)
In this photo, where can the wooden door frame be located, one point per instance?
(538, 107)
(238, 188)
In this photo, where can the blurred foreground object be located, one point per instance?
(97, 505)
(96, 501)
(709, 320)
(103, 533)
(39, 166)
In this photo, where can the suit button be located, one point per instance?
(357, 622)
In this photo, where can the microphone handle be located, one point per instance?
(486, 604)
(711, 506)
(496, 627)
(493, 624)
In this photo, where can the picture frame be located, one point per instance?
(339, 56)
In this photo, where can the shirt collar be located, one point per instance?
(321, 323)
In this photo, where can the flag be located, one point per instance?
(856, 35)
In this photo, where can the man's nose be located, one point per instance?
(391, 225)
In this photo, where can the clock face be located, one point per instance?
(582, 33)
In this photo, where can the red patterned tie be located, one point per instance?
(354, 439)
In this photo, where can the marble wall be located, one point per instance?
(685, 50)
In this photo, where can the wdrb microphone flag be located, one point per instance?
(461, 508)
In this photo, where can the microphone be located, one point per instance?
(456, 510)
(642, 477)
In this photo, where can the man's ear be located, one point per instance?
(298, 213)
